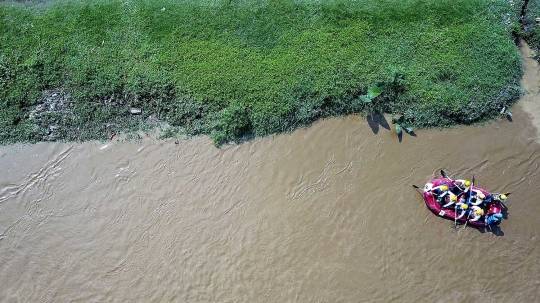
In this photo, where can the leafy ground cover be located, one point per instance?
(530, 29)
(74, 69)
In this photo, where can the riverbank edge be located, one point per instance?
(56, 105)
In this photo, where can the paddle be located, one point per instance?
(417, 189)
(444, 175)
(467, 220)
(469, 200)
(455, 216)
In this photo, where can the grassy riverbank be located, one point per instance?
(73, 69)
(531, 29)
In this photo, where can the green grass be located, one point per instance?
(531, 29)
(236, 69)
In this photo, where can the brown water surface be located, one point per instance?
(325, 214)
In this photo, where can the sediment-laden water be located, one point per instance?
(324, 214)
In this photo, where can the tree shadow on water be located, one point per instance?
(375, 120)
(411, 133)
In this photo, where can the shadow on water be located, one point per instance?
(411, 133)
(375, 120)
(494, 229)
(504, 211)
(497, 231)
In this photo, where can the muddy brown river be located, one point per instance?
(324, 214)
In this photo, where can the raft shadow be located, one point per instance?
(504, 211)
(494, 229)
(497, 231)
(375, 120)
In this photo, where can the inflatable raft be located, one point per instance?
(436, 208)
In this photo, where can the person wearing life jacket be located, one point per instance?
(449, 199)
(464, 197)
(462, 185)
(494, 218)
(461, 210)
(476, 213)
(499, 198)
(440, 191)
(477, 197)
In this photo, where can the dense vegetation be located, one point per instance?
(530, 28)
(73, 69)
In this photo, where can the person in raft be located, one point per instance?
(449, 199)
(462, 184)
(477, 197)
(488, 198)
(494, 219)
(440, 191)
(461, 210)
(464, 198)
(499, 198)
(476, 213)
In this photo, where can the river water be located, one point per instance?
(324, 214)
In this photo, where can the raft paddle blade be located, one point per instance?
(418, 189)
(443, 174)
